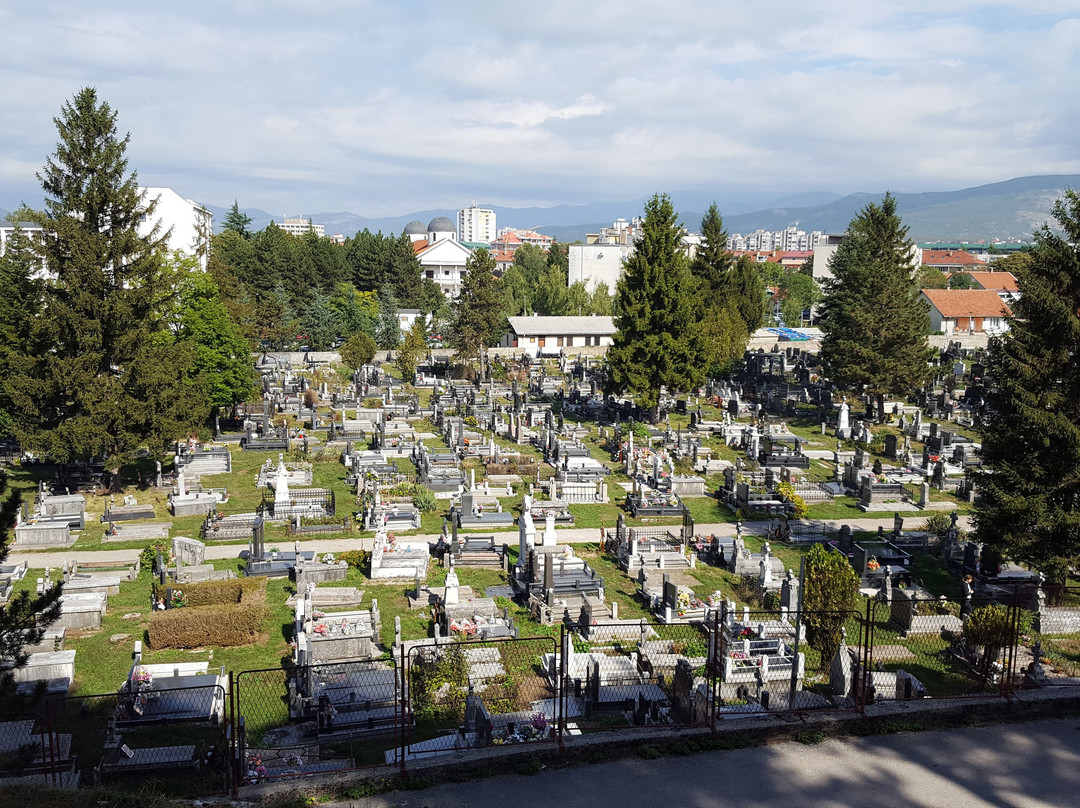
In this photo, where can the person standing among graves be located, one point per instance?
(966, 589)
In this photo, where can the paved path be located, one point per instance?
(1030, 765)
(39, 560)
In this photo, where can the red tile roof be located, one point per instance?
(998, 281)
(950, 258)
(962, 302)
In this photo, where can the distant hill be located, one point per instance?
(1003, 210)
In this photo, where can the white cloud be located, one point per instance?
(381, 104)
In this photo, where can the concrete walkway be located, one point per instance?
(39, 560)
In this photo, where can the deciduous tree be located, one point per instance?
(478, 313)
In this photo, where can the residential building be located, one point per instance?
(825, 249)
(476, 224)
(951, 260)
(966, 311)
(621, 232)
(593, 264)
(537, 334)
(187, 224)
(301, 226)
(1004, 283)
(509, 239)
(442, 257)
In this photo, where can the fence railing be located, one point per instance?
(450, 696)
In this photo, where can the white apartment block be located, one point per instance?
(301, 226)
(788, 239)
(593, 264)
(187, 223)
(476, 225)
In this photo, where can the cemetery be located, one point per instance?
(431, 487)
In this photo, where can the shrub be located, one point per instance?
(424, 499)
(225, 593)
(206, 625)
(354, 558)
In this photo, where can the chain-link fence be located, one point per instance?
(1048, 654)
(622, 674)
(469, 695)
(771, 661)
(316, 718)
(167, 733)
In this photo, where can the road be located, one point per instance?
(57, 558)
(1029, 765)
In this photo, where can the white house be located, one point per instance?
(537, 334)
(966, 311)
(442, 257)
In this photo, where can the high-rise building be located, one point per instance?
(476, 225)
(300, 226)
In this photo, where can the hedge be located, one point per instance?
(195, 627)
(225, 593)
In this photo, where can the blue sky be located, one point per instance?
(383, 107)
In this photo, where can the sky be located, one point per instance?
(381, 107)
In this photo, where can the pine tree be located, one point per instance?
(100, 375)
(875, 325)
(237, 221)
(26, 616)
(1028, 506)
(389, 332)
(658, 340)
(20, 305)
(479, 319)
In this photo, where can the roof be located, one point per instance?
(440, 224)
(951, 258)
(415, 228)
(998, 281)
(546, 326)
(963, 302)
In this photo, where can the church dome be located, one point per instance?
(415, 228)
(440, 224)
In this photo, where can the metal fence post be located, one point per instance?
(403, 703)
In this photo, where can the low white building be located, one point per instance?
(537, 334)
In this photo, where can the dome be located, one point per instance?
(440, 224)
(415, 228)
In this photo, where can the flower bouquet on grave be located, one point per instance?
(292, 759)
(320, 629)
(873, 565)
(141, 678)
(178, 599)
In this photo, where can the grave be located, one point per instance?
(55, 668)
(393, 558)
(272, 563)
(82, 611)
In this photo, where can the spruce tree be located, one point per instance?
(875, 325)
(1028, 506)
(100, 376)
(479, 319)
(658, 339)
(388, 334)
(237, 221)
(21, 294)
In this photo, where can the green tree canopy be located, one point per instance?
(658, 341)
(1029, 487)
(100, 375)
(237, 221)
(962, 280)
(874, 321)
(21, 294)
(931, 278)
(478, 313)
(388, 333)
(411, 350)
(358, 350)
(800, 293)
(829, 599)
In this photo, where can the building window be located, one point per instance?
(560, 342)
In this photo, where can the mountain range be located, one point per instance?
(1009, 210)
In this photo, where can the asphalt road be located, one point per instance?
(1023, 765)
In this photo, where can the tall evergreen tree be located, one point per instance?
(874, 322)
(321, 322)
(478, 313)
(658, 340)
(100, 375)
(1029, 487)
(388, 334)
(20, 305)
(237, 221)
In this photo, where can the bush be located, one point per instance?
(354, 558)
(226, 593)
(424, 499)
(149, 553)
(206, 625)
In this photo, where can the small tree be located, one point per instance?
(830, 597)
(358, 350)
(411, 350)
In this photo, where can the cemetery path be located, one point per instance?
(1022, 765)
(57, 558)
